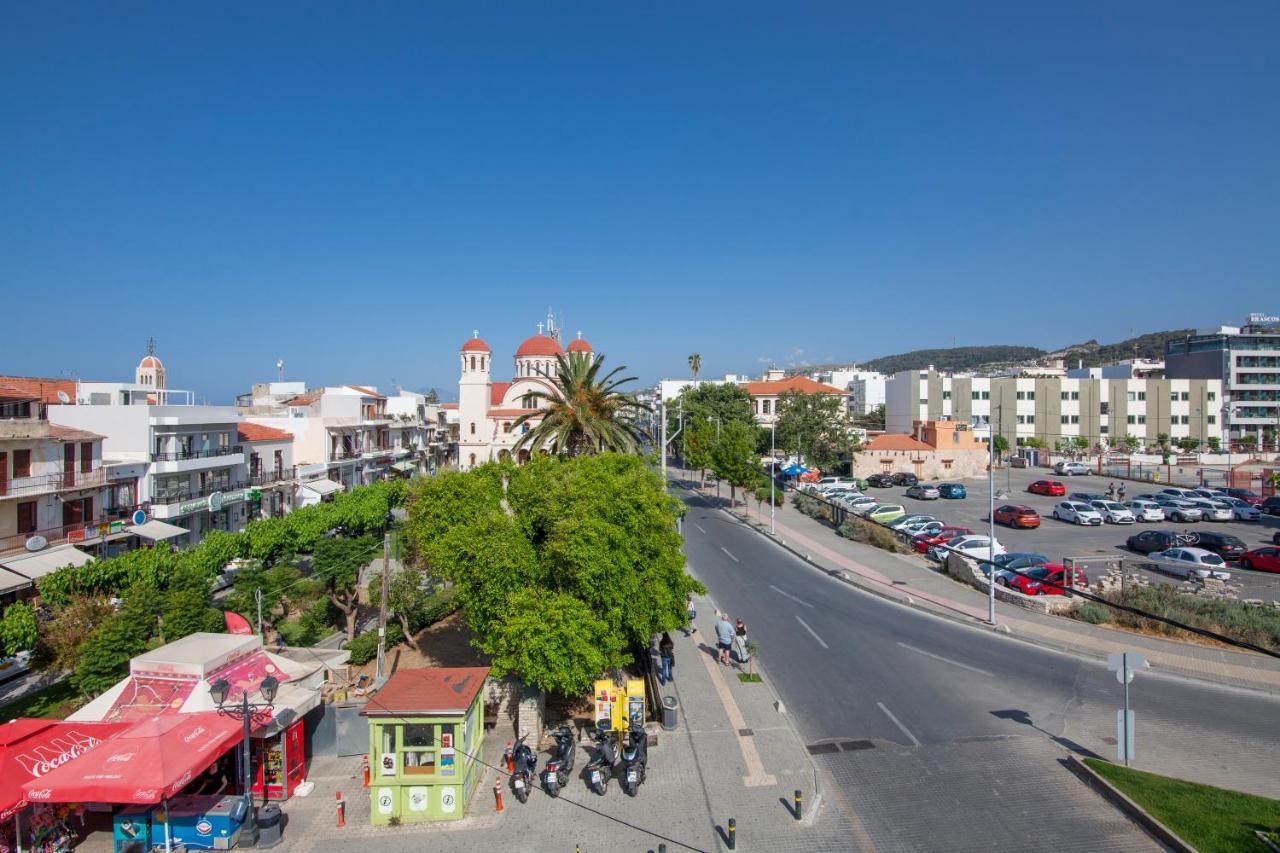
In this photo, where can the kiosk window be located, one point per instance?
(418, 743)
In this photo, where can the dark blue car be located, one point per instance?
(952, 490)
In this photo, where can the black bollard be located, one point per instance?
(798, 812)
(733, 834)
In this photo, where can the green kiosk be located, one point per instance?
(424, 727)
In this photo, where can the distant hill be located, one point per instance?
(1093, 353)
(952, 359)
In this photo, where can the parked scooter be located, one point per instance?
(635, 754)
(600, 770)
(560, 764)
(526, 762)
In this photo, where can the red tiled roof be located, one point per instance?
(305, 399)
(497, 391)
(579, 345)
(894, 441)
(539, 345)
(437, 690)
(260, 432)
(448, 405)
(36, 388)
(475, 345)
(62, 433)
(366, 391)
(791, 383)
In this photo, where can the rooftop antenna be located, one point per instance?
(151, 346)
(279, 369)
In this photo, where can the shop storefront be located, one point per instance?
(425, 727)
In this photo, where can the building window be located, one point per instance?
(27, 517)
(1132, 419)
(766, 407)
(1142, 419)
(1186, 395)
(1065, 420)
(1173, 396)
(1022, 395)
(1213, 419)
(473, 460)
(1075, 419)
(1186, 419)
(473, 427)
(506, 426)
(946, 463)
(924, 401)
(1066, 396)
(1104, 408)
(946, 395)
(1104, 429)
(22, 464)
(1142, 395)
(755, 407)
(1075, 395)
(974, 396)
(86, 458)
(986, 395)
(1212, 395)
(1132, 396)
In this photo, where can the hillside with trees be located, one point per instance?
(1150, 346)
(952, 358)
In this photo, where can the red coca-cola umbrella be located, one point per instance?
(31, 749)
(148, 762)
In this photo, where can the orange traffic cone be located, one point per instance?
(365, 762)
(497, 793)
(342, 810)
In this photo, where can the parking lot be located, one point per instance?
(1059, 540)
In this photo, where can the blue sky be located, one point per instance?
(354, 188)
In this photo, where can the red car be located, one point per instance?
(1016, 515)
(924, 541)
(1265, 559)
(1052, 488)
(1042, 580)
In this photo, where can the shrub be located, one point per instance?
(1092, 612)
(869, 533)
(364, 648)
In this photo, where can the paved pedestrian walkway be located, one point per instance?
(907, 579)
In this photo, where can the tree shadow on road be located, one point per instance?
(1024, 718)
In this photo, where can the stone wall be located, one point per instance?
(966, 570)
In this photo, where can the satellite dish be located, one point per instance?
(63, 398)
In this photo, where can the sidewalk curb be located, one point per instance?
(1121, 801)
(909, 601)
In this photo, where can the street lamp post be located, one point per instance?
(219, 692)
(991, 527)
(773, 474)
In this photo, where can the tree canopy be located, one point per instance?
(814, 425)
(585, 413)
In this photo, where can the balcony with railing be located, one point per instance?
(106, 523)
(178, 494)
(268, 476)
(205, 453)
(345, 453)
(58, 481)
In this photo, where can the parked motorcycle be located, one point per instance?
(600, 770)
(635, 754)
(560, 764)
(526, 762)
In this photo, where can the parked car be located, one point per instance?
(1249, 497)
(1185, 494)
(1070, 469)
(904, 479)
(1214, 510)
(1144, 510)
(1149, 541)
(1019, 560)
(1077, 513)
(1052, 488)
(939, 552)
(1087, 497)
(1114, 513)
(1048, 579)
(880, 481)
(922, 542)
(1275, 538)
(909, 518)
(825, 482)
(885, 513)
(1179, 510)
(1225, 545)
(1241, 509)
(851, 502)
(1017, 515)
(1271, 506)
(952, 491)
(977, 547)
(857, 506)
(1210, 494)
(1186, 562)
(12, 667)
(909, 531)
(1265, 559)
(924, 492)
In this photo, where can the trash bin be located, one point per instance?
(270, 827)
(669, 707)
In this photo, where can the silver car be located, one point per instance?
(1186, 562)
(1179, 510)
(1241, 510)
(1114, 513)
(1213, 511)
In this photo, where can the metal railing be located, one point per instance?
(272, 475)
(163, 497)
(343, 455)
(82, 531)
(212, 452)
(55, 482)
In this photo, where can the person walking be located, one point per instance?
(1111, 492)
(691, 613)
(724, 639)
(1120, 492)
(667, 658)
(740, 641)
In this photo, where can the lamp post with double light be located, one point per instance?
(220, 691)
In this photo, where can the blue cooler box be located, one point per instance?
(131, 829)
(205, 822)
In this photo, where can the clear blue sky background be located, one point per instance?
(354, 188)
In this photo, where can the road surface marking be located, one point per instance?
(947, 660)
(812, 632)
(699, 526)
(726, 550)
(756, 777)
(906, 731)
(790, 596)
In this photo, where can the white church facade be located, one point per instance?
(488, 410)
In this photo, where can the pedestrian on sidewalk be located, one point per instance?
(724, 639)
(1111, 492)
(740, 641)
(1120, 492)
(691, 613)
(667, 657)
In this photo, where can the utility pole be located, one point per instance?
(773, 473)
(381, 675)
(991, 527)
(257, 595)
(662, 413)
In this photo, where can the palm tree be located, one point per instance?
(585, 413)
(695, 365)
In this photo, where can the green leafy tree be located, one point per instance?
(813, 424)
(724, 403)
(732, 457)
(408, 596)
(1080, 443)
(1249, 442)
(1034, 443)
(1001, 444)
(698, 439)
(18, 628)
(188, 605)
(105, 655)
(585, 413)
(1269, 437)
(1215, 444)
(1131, 443)
(336, 564)
(1187, 444)
(553, 640)
(59, 640)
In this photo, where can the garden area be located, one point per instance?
(1250, 623)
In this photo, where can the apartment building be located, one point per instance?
(418, 428)
(1246, 360)
(1051, 409)
(765, 393)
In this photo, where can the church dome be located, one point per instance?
(539, 345)
(579, 345)
(475, 345)
(150, 361)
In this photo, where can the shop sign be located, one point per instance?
(193, 506)
(448, 799)
(1263, 318)
(388, 764)
(418, 798)
(386, 798)
(42, 761)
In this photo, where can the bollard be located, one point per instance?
(733, 834)
(342, 809)
(798, 812)
(497, 793)
(511, 760)
(662, 848)
(365, 762)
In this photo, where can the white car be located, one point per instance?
(1176, 509)
(1144, 510)
(1213, 510)
(1070, 469)
(1242, 510)
(1076, 513)
(977, 547)
(1114, 513)
(915, 528)
(899, 523)
(1186, 562)
(1184, 494)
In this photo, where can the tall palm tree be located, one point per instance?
(585, 414)
(695, 365)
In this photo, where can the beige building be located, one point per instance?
(935, 450)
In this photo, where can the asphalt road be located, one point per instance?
(1058, 539)
(966, 726)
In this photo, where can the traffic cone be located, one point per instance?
(497, 793)
(365, 762)
(342, 809)
(511, 760)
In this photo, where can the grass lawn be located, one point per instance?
(53, 703)
(1213, 820)
(749, 677)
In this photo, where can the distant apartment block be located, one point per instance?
(1246, 361)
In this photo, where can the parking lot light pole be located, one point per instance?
(991, 527)
(773, 474)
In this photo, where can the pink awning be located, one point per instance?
(32, 749)
(150, 761)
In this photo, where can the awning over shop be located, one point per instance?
(157, 531)
(11, 582)
(144, 764)
(404, 467)
(30, 749)
(322, 487)
(41, 563)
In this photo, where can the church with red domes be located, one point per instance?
(488, 410)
